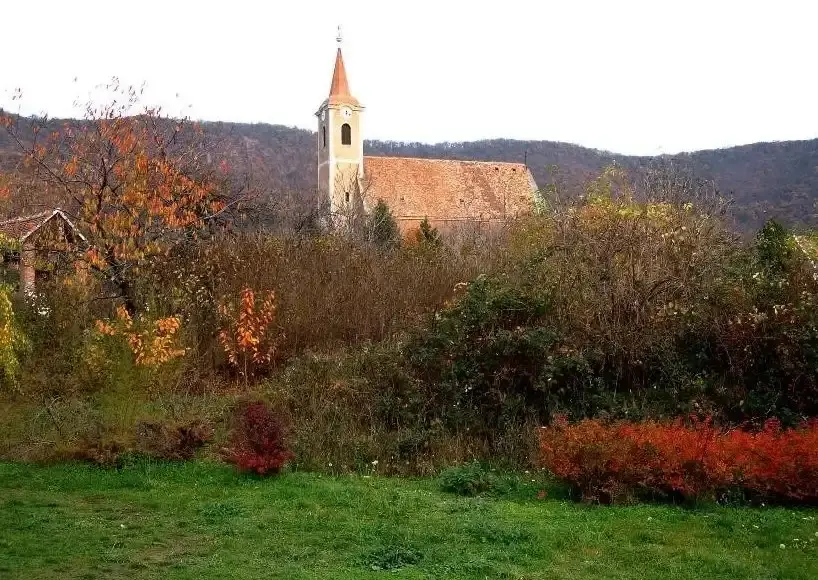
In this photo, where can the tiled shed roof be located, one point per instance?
(22, 227)
(443, 189)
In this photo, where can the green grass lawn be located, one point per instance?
(203, 521)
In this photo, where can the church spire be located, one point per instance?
(339, 89)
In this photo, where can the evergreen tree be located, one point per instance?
(382, 228)
(426, 234)
(775, 249)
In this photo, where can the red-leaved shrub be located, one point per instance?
(257, 442)
(777, 463)
(616, 461)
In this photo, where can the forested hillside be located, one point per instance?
(765, 180)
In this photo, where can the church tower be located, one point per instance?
(340, 143)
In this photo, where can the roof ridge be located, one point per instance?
(445, 160)
(32, 223)
(26, 218)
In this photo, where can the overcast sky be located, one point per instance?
(628, 76)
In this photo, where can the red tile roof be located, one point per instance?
(22, 227)
(449, 190)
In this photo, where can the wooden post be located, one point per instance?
(28, 256)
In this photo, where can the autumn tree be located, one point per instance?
(670, 181)
(136, 181)
(247, 335)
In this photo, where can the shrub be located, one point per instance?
(775, 249)
(469, 479)
(329, 290)
(57, 319)
(257, 443)
(99, 450)
(486, 360)
(777, 464)
(174, 442)
(618, 461)
(152, 342)
(247, 338)
(628, 310)
(13, 342)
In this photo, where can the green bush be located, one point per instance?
(656, 322)
(485, 360)
(469, 479)
(426, 235)
(755, 341)
(392, 558)
(13, 341)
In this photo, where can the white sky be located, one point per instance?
(641, 77)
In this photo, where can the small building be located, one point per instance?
(34, 246)
(446, 192)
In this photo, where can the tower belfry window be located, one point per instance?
(346, 134)
(324, 136)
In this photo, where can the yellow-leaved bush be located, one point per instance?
(13, 342)
(152, 342)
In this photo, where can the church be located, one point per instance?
(449, 193)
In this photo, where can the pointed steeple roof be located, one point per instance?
(339, 89)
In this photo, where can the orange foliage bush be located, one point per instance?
(246, 339)
(612, 462)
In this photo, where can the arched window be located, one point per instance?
(324, 136)
(346, 134)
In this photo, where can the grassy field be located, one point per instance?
(202, 521)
